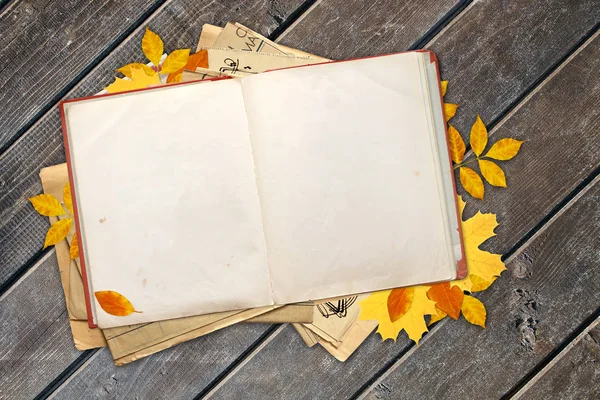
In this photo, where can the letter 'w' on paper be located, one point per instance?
(189, 200)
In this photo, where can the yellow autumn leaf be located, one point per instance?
(478, 284)
(435, 318)
(115, 303)
(58, 231)
(67, 199)
(175, 61)
(47, 205)
(139, 80)
(479, 136)
(474, 311)
(492, 173)
(399, 302)
(374, 308)
(450, 110)
(504, 149)
(152, 46)
(483, 267)
(472, 183)
(457, 145)
(126, 70)
(444, 87)
(74, 249)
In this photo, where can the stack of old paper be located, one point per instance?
(234, 51)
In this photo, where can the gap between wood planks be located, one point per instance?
(570, 199)
(457, 12)
(429, 37)
(549, 362)
(52, 102)
(28, 268)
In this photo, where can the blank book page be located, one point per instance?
(346, 178)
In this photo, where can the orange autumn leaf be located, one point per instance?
(479, 136)
(399, 302)
(47, 205)
(126, 70)
(197, 60)
(174, 77)
(448, 299)
(444, 87)
(115, 303)
(152, 46)
(457, 145)
(474, 311)
(175, 61)
(74, 249)
(450, 110)
(492, 173)
(472, 183)
(58, 231)
(504, 149)
(67, 199)
(435, 318)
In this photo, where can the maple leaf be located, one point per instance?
(115, 303)
(444, 85)
(152, 46)
(447, 298)
(375, 307)
(139, 80)
(484, 265)
(435, 318)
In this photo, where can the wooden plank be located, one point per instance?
(341, 29)
(42, 146)
(35, 337)
(572, 374)
(528, 315)
(45, 47)
(557, 157)
(22, 231)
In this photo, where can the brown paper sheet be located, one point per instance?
(133, 342)
(210, 33)
(309, 338)
(358, 333)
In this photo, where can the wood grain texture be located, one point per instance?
(575, 375)
(22, 230)
(35, 337)
(528, 316)
(340, 29)
(557, 156)
(45, 46)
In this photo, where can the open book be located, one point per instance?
(292, 185)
